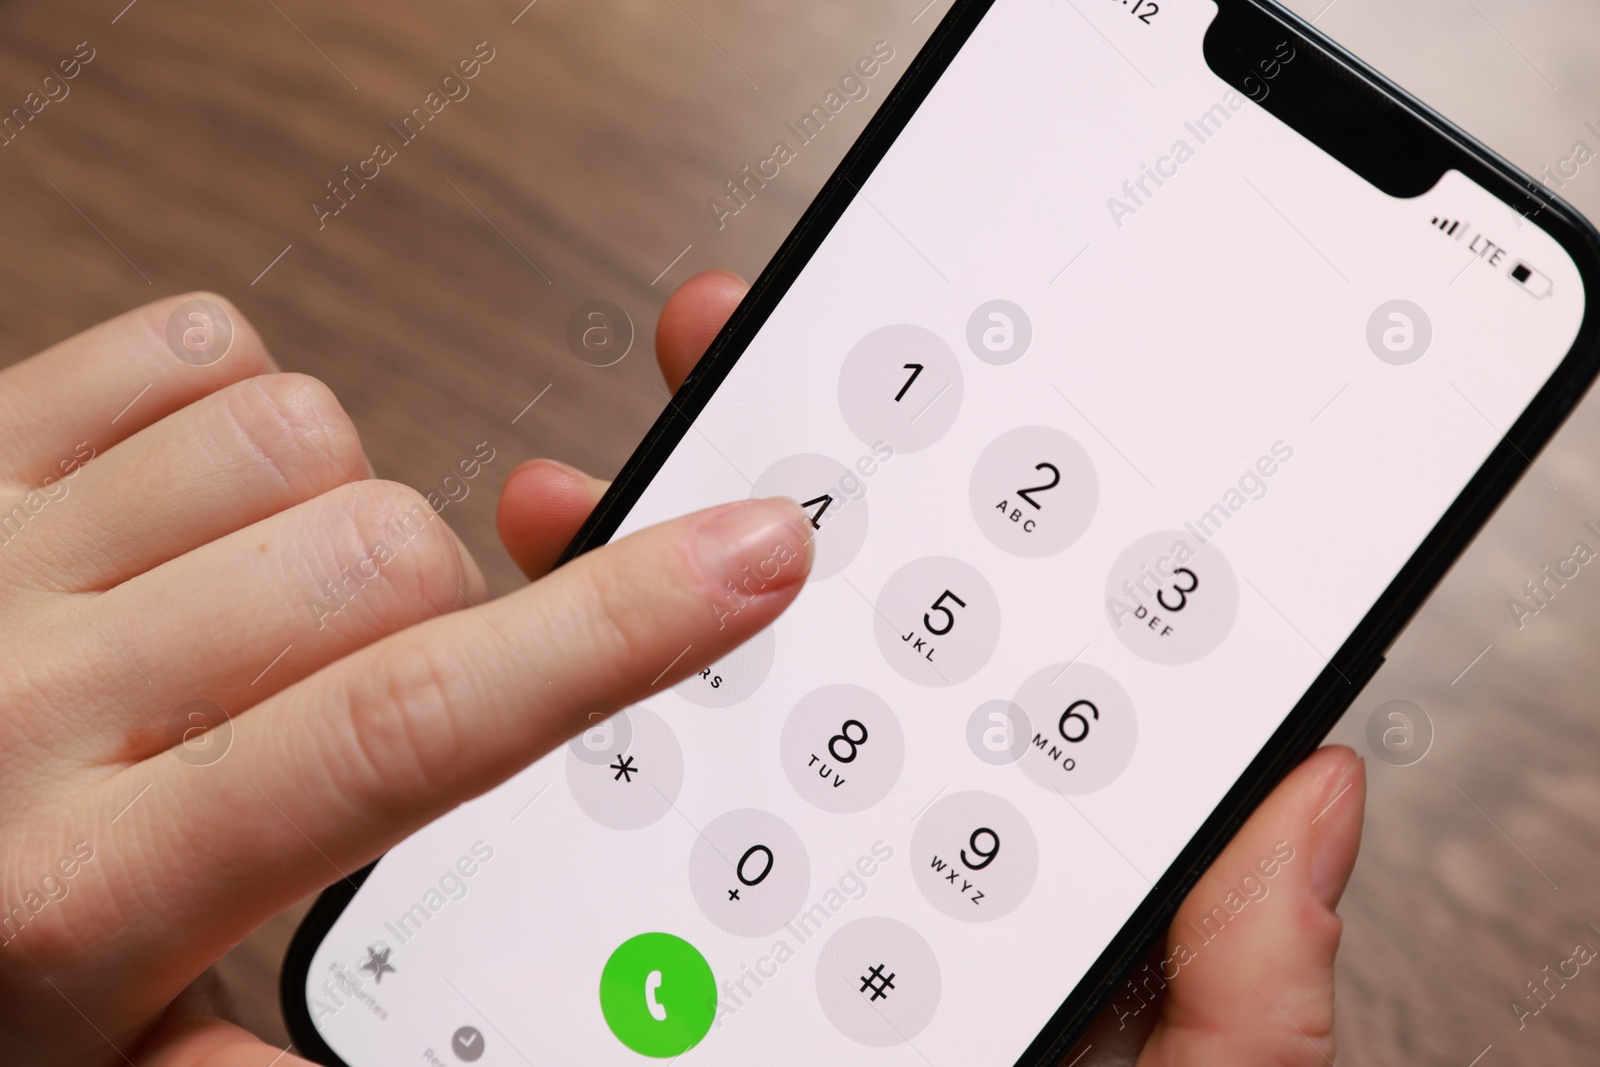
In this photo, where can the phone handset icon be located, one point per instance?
(652, 983)
(655, 1025)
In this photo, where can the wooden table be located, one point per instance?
(192, 147)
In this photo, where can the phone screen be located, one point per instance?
(1115, 404)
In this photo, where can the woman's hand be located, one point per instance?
(178, 541)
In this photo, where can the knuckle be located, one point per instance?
(248, 354)
(296, 427)
(248, 349)
(392, 559)
(404, 727)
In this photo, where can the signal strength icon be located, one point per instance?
(1451, 227)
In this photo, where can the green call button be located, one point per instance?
(658, 995)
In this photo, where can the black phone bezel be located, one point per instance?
(1314, 715)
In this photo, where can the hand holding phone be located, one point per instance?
(1085, 426)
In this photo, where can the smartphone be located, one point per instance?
(1140, 371)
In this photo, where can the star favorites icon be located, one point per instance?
(377, 963)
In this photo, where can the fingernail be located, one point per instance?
(755, 546)
(1338, 780)
(1329, 859)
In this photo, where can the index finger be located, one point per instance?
(329, 773)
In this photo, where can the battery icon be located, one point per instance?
(1533, 283)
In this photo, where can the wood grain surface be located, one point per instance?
(192, 147)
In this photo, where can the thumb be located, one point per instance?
(1249, 959)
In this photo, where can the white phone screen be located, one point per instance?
(1117, 404)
